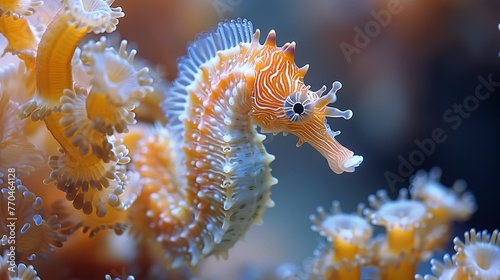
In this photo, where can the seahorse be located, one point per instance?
(228, 85)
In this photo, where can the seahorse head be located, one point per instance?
(281, 102)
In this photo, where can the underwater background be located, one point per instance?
(410, 78)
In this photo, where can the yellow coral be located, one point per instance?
(91, 167)
(88, 159)
(479, 255)
(116, 84)
(22, 40)
(349, 235)
(56, 48)
(477, 259)
(444, 204)
(397, 255)
(411, 233)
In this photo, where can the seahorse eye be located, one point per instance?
(297, 106)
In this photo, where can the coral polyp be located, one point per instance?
(479, 255)
(411, 235)
(477, 258)
(349, 235)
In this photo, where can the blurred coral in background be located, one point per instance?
(421, 76)
(414, 228)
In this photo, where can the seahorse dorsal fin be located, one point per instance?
(228, 34)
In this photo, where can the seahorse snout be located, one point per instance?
(351, 163)
(320, 137)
